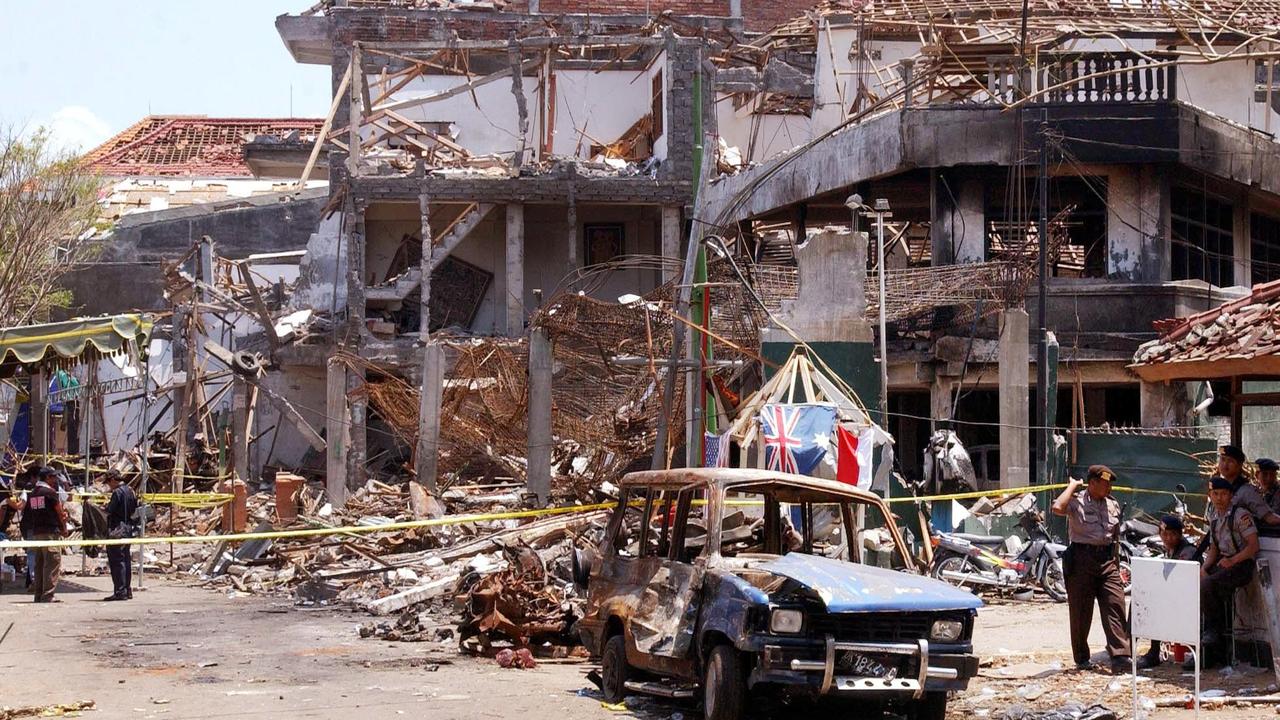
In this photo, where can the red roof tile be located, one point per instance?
(189, 145)
(1241, 330)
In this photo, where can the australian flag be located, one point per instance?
(796, 437)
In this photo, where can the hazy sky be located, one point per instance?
(90, 68)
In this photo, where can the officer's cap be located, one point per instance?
(1220, 483)
(1102, 472)
(1233, 452)
(1267, 464)
(1172, 522)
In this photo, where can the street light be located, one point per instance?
(881, 211)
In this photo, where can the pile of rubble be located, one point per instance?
(472, 576)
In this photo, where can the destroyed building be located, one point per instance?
(525, 146)
(1157, 121)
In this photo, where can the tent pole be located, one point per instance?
(144, 446)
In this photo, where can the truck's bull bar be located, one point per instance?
(841, 683)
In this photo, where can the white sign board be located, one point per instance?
(1166, 600)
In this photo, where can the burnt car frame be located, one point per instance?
(673, 604)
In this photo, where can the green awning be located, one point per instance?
(109, 335)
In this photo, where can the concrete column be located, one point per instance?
(941, 399)
(539, 419)
(39, 413)
(428, 454)
(574, 256)
(1243, 265)
(242, 419)
(353, 243)
(671, 239)
(357, 439)
(424, 285)
(1015, 409)
(515, 270)
(958, 229)
(1164, 404)
(336, 437)
(1133, 224)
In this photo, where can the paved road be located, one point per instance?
(189, 652)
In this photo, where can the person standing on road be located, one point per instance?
(23, 483)
(1228, 564)
(45, 518)
(121, 509)
(1090, 568)
(1176, 546)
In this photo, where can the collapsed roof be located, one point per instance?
(190, 145)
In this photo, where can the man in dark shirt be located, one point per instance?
(1267, 482)
(1176, 547)
(120, 524)
(45, 519)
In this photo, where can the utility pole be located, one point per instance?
(882, 210)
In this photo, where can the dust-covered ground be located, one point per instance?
(178, 651)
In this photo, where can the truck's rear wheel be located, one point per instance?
(933, 706)
(614, 670)
(724, 686)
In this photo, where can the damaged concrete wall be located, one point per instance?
(1136, 220)
(590, 108)
(1225, 89)
(321, 285)
(281, 443)
(958, 231)
(492, 127)
(131, 258)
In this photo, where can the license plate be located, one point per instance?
(860, 665)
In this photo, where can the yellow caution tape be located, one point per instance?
(450, 520)
(310, 532)
(1028, 489)
(195, 501)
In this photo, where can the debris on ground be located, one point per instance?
(61, 710)
(1069, 711)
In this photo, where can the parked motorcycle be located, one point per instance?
(1005, 564)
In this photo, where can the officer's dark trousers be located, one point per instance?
(1217, 589)
(1094, 576)
(121, 568)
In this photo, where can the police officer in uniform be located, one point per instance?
(1228, 563)
(1092, 573)
(1231, 461)
(44, 517)
(1267, 482)
(121, 509)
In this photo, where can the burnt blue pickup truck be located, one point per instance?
(734, 581)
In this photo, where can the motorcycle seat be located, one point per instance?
(981, 539)
(1141, 527)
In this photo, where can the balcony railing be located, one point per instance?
(1082, 78)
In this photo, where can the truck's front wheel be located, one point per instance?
(724, 686)
(614, 670)
(933, 706)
